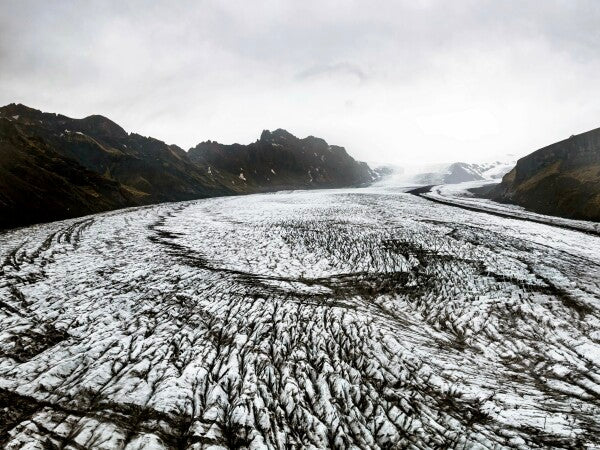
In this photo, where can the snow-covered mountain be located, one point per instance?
(449, 173)
(460, 172)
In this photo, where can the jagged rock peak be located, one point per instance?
(276, 135)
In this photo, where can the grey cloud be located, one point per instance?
(330, 70)
(189, 70)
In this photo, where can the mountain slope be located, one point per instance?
(148, 165)
(60, 167)
(279, 160)
(38, 184)
(562, 179)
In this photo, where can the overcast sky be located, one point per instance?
(395, 81)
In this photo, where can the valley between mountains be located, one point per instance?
(364, 318)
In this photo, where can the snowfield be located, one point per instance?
(328, 319)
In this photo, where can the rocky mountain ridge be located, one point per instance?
(54, 167)
(279, 159)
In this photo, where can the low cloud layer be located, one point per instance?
(397, 81)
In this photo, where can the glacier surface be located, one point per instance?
(364, 318)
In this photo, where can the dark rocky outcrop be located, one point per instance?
(39, 184)
(279, 160)
(562, 179)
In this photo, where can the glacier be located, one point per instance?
(356, 318)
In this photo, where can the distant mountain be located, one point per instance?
(388, 170)
(279, 160)
(54, 167)
(461, 172)
(562, 179)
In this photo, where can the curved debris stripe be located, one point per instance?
(337, 319)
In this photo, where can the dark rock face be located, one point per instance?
(39, 184)
(155, 170)
(279, 160)
(562, 179)
(54, 167)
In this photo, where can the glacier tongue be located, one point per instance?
(326, 319)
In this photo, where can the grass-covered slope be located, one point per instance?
(38, 184)
(562, 179)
